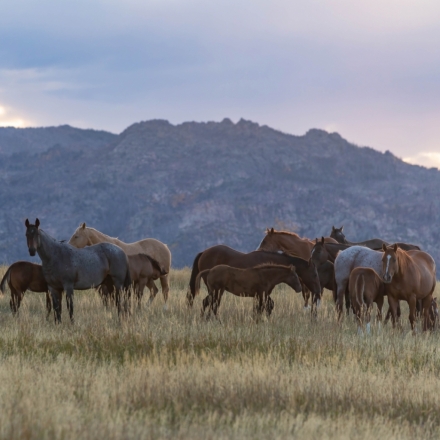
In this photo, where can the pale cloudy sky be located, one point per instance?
(369, 70)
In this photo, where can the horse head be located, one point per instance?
(32, 236)
(80, 238)
(390, 262)
(269, 243)
(292, 280)
(319, 253)
(338, 235)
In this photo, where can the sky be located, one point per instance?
(369, 70)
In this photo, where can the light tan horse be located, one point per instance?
(85, 236)
(409, 276)
(289, 243)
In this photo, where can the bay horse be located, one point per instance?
(221, 254)
(143, 271)
(366, 287)
(22, 276)
(289, 243)
(67, 268)
(257, 282)
(409, 276)
(374, 243)
(86, 236)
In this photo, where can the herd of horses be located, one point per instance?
(361, 273)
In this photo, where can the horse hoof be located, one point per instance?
(306, 307)
(165, 307)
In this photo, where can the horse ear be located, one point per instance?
(26, 223)
(267, 231)
(384, 247)
(37, 223)
(322, 240)
(395, 247)
(333, 228)
(83, 226)
(271, 231)
(342, 228)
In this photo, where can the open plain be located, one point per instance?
(171, 374)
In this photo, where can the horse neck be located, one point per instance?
(277, 273)
(46, 247)
(96, 237)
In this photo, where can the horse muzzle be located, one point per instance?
(387, 278)
(32, 252)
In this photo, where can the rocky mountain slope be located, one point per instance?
(198, 184)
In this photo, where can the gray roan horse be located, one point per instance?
(346, 261)
(68, 268)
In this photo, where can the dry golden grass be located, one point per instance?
(170, 374)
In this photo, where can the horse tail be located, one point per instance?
(127, 280)
(194, 272)
(6, 278)
(197, 282)
(360, 288)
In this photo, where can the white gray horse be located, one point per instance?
(67, 268)
(349, 259)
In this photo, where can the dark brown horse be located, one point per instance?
(365, 287)
(221, 254)
(375, 243)
(257, 282)
(409, 276)
(22, 276)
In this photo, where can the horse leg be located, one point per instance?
(153, 290)
(217, 300)
(342, 289)
(368, 317)
(347, 301)
(165, 289)
(393, 304)
(207, 303)
(69, 300)
(379, 304)
(57, 306)
(48, 305)
(14, 300)
(426, 305)
(306, 295)
(412, 302)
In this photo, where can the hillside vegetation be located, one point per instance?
(198, 184)
(170, 374)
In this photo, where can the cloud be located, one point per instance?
(430, 159)
(370, 70)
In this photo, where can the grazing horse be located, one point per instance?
(22, 276)
(85, 236)
(409, 276)
(143, 271)
(67, 268)
(257, 282)
(289, 243)
(375, 243)
(221, 254)
(365, 287)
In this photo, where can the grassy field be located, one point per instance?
(170, 374)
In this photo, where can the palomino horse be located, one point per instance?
(22, 276)
(365, 287)
(67, 268)
(257, 282)
(143, 271)
(221, 254)
(85, 236)
(409, 276)
(374, 243)
(289, 243)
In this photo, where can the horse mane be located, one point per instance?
(270, 266)
(102, 233)
(294, 234)
(404, 260)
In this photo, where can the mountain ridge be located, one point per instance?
(193, 185)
